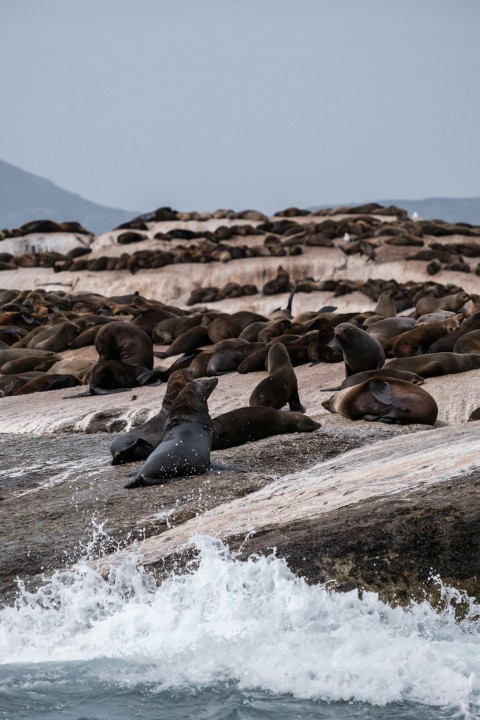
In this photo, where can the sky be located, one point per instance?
(202, 104)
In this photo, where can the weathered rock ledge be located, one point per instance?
(346, 519)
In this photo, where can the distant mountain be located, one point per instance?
(436, 208)
(25, 197)
(442, 208)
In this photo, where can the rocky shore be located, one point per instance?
(356, 504)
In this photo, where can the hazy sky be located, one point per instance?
(201, 104)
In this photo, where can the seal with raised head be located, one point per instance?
(246, 424)
(280, 386)
(386, 400)
(361, 351)
(187, 440)
(139, 443)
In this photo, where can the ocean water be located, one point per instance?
(230, 639)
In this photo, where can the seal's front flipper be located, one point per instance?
(381, 390)
(148, 377)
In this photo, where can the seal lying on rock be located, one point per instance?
(384, 399)
(140, 442)
(186, 444)
(245, 424)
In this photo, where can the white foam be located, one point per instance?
(253, 623)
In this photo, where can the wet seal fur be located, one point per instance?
(247, 424)
(386, 400)
(280, 386)
(139, 443)
(187, 440)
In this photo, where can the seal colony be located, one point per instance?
(346, 319)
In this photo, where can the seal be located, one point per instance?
(280, 386)
(453, 302)
(382, 373)
(186, 444)
(126, 358)
(361, 351)
(247, 424)
(468, 343)
(386, 400)
(448, 342)
(139, 443)
(385, 305)
(226, 326)
(418, 340)
(435, 364)
(383, 330)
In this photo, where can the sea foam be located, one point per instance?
(252, 623)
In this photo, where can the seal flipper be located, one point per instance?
(148, 377)
(294, 402)
(136, 482)
(128, 453)
(381, 390)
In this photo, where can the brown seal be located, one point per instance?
(361, 351)
(418, 340)
(247, 424)
(468, 343)
(280, 386)
(187, 440)
(382, 373)
(385, 329)
(447, 343)
(126, 357)
(435, 364)
(230, 326)
(47, 381)
(453, 302)
(385, 305)
(385, 400)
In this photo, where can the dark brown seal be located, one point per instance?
(435, 364)
(247, 424)
(140, 442)
(418, 340)
(126, 358)
(187, 441)
(386, 400)
(361, 351)
(280, 386)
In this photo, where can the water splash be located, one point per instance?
(250, 623)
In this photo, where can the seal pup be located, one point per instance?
(187, 440)
(139, 443)
(386, 400)
(247, 424)
(361, 351)
(280, 386)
